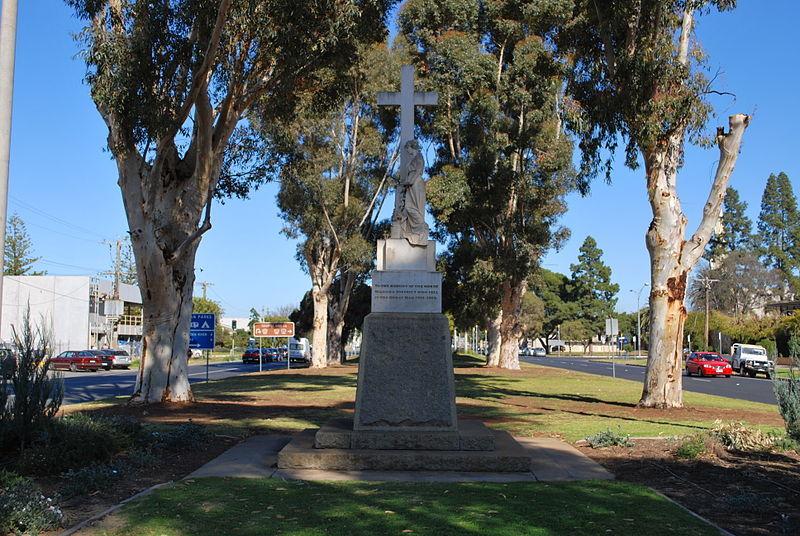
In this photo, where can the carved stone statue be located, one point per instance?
(409, 210)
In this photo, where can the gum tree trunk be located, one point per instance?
(322, 274)
(510, 328)
(672, 258)
(164, 209)
(493, 351)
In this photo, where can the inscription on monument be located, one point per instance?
(406, 292)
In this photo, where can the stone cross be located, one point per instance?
(407, 99)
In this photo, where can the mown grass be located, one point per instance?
(214, 506)
(539, 401)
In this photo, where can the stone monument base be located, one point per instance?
(508, 456)
(405, 375)
(339, 434)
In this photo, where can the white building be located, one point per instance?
(79, 312)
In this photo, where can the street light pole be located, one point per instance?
(8, 39)
(639, 321)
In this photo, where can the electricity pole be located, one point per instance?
(8, 41)
(205, 285)
(707, 286)
(117, 266)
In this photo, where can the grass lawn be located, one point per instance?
(212, 506)
(535, 401)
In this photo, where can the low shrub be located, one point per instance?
(787, 391)
(690, 447)
(609, 438)
(747, 502)
(81, 440)
(24, 509)
(142, 459)
(737, 436)
(92, 478)
(37, 394)
(183, 436)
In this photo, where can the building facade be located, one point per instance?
(78, 312)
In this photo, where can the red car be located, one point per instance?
(708, 364)
(75, 360)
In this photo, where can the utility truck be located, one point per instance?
(751, 359)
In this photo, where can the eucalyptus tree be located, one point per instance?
(502, 164)
(337, 161)
(635, 78)
(173, 81)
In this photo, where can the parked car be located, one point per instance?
(119, 359)
(8, 363)
(104, 356)
(75, 360)
(708, 364)
(539, 352)
(251, 355)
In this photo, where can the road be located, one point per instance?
(744, 388)
(87, 386)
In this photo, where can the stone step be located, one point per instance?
(508, 456)
(469, 435)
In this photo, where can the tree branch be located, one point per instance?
(177, 252)
(729, 151)
(200, 77)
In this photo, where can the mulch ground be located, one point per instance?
(744, 493)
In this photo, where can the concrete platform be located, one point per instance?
(549, 460)
(508, 456)
(469, 435)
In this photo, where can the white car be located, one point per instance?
(539, 352)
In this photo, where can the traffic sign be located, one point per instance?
(201, 332)
(273, 329)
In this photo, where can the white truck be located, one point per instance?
(751, 359)
(299, 351)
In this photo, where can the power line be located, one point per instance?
(32, 208)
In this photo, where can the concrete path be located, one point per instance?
(551, 460)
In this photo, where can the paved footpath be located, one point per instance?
(551, 460)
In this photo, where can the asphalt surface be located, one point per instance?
(84, 386)
(757, 389)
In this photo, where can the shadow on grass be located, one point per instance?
(225, 506)
(497, 388)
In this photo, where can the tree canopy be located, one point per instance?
(503, 162)
(590, 287)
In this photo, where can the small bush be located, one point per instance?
(786, 444)
(143, 459)
(37, 394)
(609, 438)
(747, 501)
(184, 436)
(787, 391)
(737, 436)
(691, 447)
(92, 478)
(81, 440)
(23, 508)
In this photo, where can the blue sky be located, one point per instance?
(63, 181)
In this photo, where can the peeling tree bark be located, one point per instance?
(672, 258)
(493, 354)
(510, 328)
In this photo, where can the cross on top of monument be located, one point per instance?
(407, 98)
